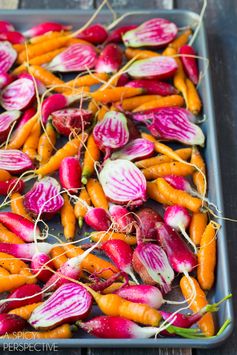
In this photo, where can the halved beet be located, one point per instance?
(14, 160)
(110, 59)
(139, 148)
(5, 79)
(6, 120)
(7, 56)
(69, 119)
(13, 37)
(6, 26)
(95, 33)
(153, 68)
(18, 94)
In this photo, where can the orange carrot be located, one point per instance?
(25, 311)
(11, 282)
(114, 287)
(68, 219)
(115, 94)
(129, 239)
(31, 143)
(87, 80)
(47, 36)
(130, 53)
(184, 154)
(62, 332)
(133, 102)
(206, 324)
(167, 101)
(197, 226)
(198, 178)
(17, 205)
(21, 135)
(46, 144)
(154, 194)
(172, 168)
(58, 256)
(194, 103)
(101, 112)
(18, 47)
(4, 175)
(92, 155)
(14, 265)
(181, 40)
(96, 194)
(68, 150)
(177, 197)
(80, 209)
(4, 272)
(207, 257)
(92, 263)
(9, 237)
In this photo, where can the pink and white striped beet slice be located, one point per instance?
(14, 160)
(7, 56)
(6, 120)
(18, 94)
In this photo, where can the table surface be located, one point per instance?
(221, 25)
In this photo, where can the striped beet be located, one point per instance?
(5, 79)
(6, 120)
(45, 27)
(110, 59)
(77, 57)
(154, 32)
(153, 87)
(7, 56)
(70, 302)
(139, 148)
(44, 198)
(14, 160)
(18, 94)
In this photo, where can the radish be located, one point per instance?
(37, 264)
(139, 148)
(146, 294)
(70, 174)
(111, 132)
(153, 87)
(178, 182)
(189, 62)
(26, 116)
(10, 186)
(95, 34)
(116, 35)
(180, 256)
(154, 32)
(44, 198)
(6, 120)
(160, 67)
(172, 123)
(110, 59)
(123, 182)
(13, 37)
(18, 94)
(121, 255)
(77, 57)
(19, 225)
(40, 86)
(11, 323)
(178, 217)
(5, 79)
(151, 263)
(69, 303)
(71, 119)
(55, 102)
(147, 219)
(25, 251)
(123, 220)
(97, 218)
(6, 26)
(45, 27)
(7, 56)
(20, 297)
(123, 79)
(14, 160)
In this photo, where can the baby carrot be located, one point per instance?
(101, 112)
(207, 257)
(115, 94)
(19, 47)
(25, 311)
(58, 256)
(112, 288)
(31, 143)
(198, 178)
(171, 168)
(46, 144)
(154, 194)
(47, 36)
(178, 197)
(133, 102)
(17, 205)
(68, 218)
(197, 226)
(92, 155)
(181, 40)
(68, 150)
(167, 101)
(96, 194)
(11, 282)
(9, 237)
(4, 272)
(130, 53)
(4, 175)
(194, 103)
(21, 135)
(88, 80)
(62, 332)
(206, 324)
(14, 265)
(80, 209)
(184, 154)
(129, 239)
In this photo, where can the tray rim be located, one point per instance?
(161, 342)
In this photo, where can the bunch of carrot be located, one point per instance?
(78, 158)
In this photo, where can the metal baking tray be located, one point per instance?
(23, 19)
